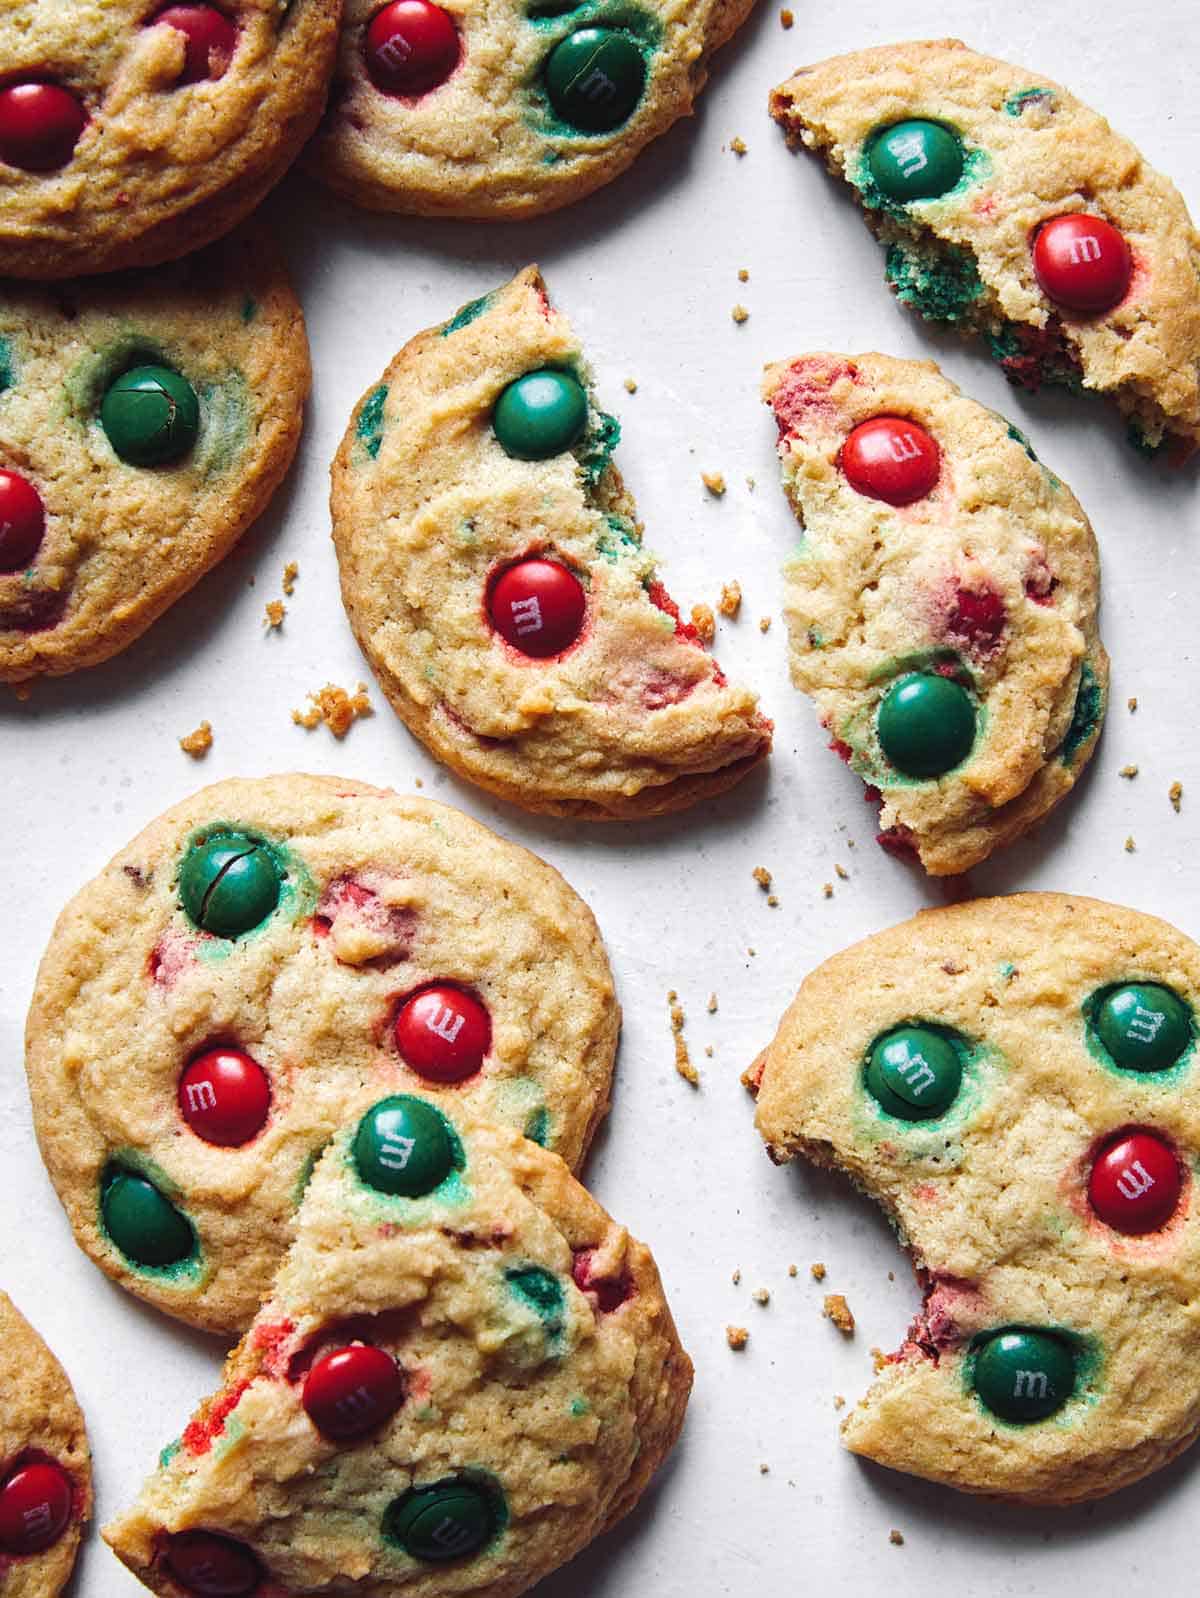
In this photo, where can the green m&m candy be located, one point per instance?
(404, 1146)
(926, 724)
(229, 883)
(151, 416)
(144, 1225)
(914, 1072)
(595, 78)
(915, 160)
(450, 1520)
(1143, 1025)
(1024, 1375)
(540, 415)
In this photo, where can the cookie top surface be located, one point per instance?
(961, 209)
(45, 1464)
(523, 1382)
(1039, 1057)
(152, 139)
(504, 599)
(147, 419)
(491, 108)
(183, 1080)
(934, 545)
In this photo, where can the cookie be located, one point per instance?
(465, 1370)
(507, 110)
(1011, 210)
(1015, 1082)
(210, 1003)
(133, 134)
(145, 422)
(493, 571)
(45, 1465)
(941, 605)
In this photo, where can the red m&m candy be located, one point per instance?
(538, 607)
(412, 46)
(40, 124)
(224, 1097)
(443, 1033)
(1135, 1183)
(1082, 262)
(22, 521)
(353, 1390)
(211, 1565)
(892, 459)
(210, 40)
(35, 1507)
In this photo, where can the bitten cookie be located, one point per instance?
(503, 109)
(45, 1465)
(210, 1003)
(464, 1372)
(145, 422)
(1015, 1082)
(493, 571)
(132, 134)
(1010, 209)
(941, 605)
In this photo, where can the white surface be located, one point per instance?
(647, 270)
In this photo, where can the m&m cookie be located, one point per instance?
(146, 419)
(45, 1465)
(941, 602)
(508, 109)
(464, 1371)
(1009, 209)
(1015, 1082)
(133, 133)
(258, 956)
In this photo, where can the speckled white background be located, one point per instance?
(647, 269)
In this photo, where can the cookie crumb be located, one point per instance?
(818, 1272)
(335, 707)
(630, 385)
(276, 611)
(762, 876)
(736, 1277)
(764, 1470)
(730, 601)
(836, 1309)
(1128, 771)
(750, 481)
(827, 890)
(792, 1270)
(198, 743)
(22, 691)
(786, 18)
(704, 622)
(712, 1004)
(764, 624)
(842, 873)
(290, 572)
(1132, 703)
(838, 1401)
(740, 314)
(878, 1360)
(761, 1295)
(738, 145)
(773, 901)
(708, 1051)
(743, 274)
(714, 482)
(419, 782)
(1175, 795)
(737, 1337)
(896, 1538)
(1130, 846)
(683, 1060)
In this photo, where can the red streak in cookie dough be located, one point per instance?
(609, 1292)
(900, 842)
(1040, 581)
(170, 958)
(804, 392)
(354, 900)
(198, 1434)
(1040, 347)
(271, 1337)
(661, 600)
(952, 1311)
(977, 618)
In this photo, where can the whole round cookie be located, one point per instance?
(132, 134)
(145, 422)
(210, 1003)
(1015, 1082)
(493, 571)
(1010, 209)
(941, 605)
(464, 1372)
(505, 109)
(45, 1464)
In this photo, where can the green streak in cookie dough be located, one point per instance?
(8, 376)
(169, 1452)
(579, 1406)
(537, 1127)
(542, 1292)
(611, 549)
(1017, 102)
(306, 1172)
(1007, 970)
(594, 451)
(249, 309)
(1018, 436)
(369, 427)
(225, 410)
(232, 1433)
(1088, 713)
(815, 641)
(940, 284)
(86, 384)
(463, 318)
(934, 1144)
(466, 532)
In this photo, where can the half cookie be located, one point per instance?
(507, 109)
(1010, 209)
(146, 420)
(941, 604)
(493, 571)
(45, 1465)
(210, 1003)
(464, 1371)
(1015, 1082)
